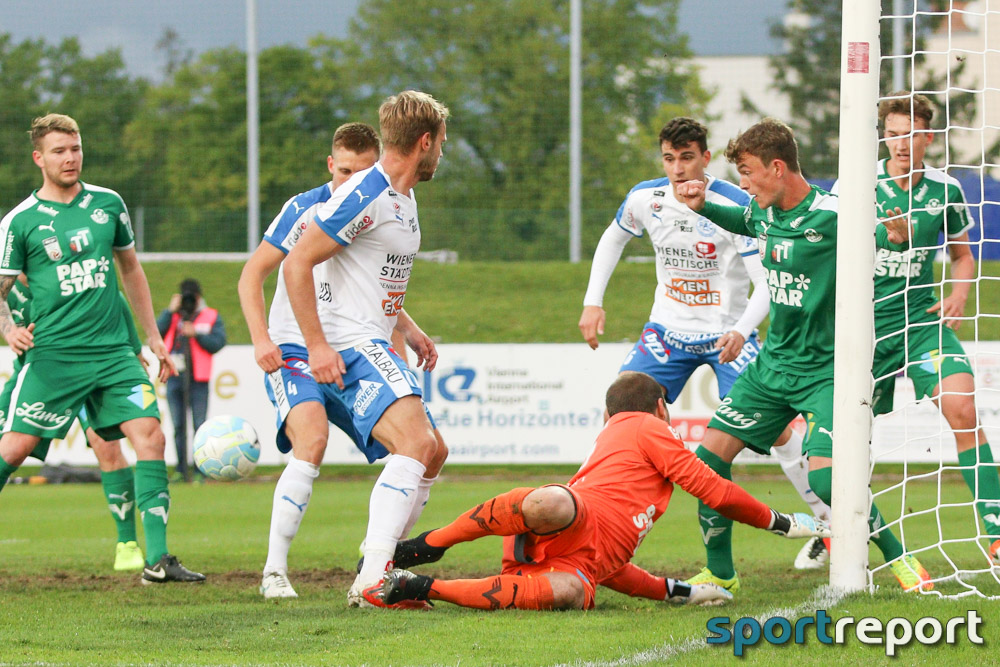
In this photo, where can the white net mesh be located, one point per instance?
(943, 506)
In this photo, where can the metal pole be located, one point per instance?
(575, 132)
(853, 344)
(253, 131)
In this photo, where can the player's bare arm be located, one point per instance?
(136, 288)
(262, 263)
(692, 193)
(314, 247)
(963, 274)
(592, 324)
(19, 339)
(418, 341)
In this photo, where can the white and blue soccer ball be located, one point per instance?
(226, 448)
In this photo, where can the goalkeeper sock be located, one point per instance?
(821, 482)
(498, 516)
(988, 499)
(504, 591)
(6, 470)
(796, 467)
(423, 493)
(716, 530)
(291, 498)
(153, 499)
(119, 489)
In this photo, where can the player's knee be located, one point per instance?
(422, 446)
(548, 509)
(961, 413)
(310, 449)
(440, 456)
(567, 592)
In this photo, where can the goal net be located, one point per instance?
(937, 394)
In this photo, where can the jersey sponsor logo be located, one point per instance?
(393, 303)
(142, 396)
(674, 257)
(934, 206)
(85, 202)
(747, 212)
(909, 264)
(659, 193)
(48, 210)
(413, 225)
(397, 268)
(36, 415)
(706, 228)
(747, 354)
(367, 393)
(643, 521)
(325, 293)
(79, 239)
(361, 197)
(52, 249)
(693, 292)
(294, 234)
(79, 276)
(794, 224)
(397, 212)
(734, 418)
(683, 224)
(100, 216)
(655, 205)
(921, 192)
(352, 231)
(786, 289)
(705, 250)
(51, 226)
(812, 236)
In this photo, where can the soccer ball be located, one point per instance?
(226, 448)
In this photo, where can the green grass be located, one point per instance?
(503, 302)
(61, 604)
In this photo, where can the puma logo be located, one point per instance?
(301, 508)
(361, 197)
(51, 226)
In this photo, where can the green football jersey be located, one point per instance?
(937, 204)
(66, 251)
(798, 249)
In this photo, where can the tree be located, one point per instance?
(503, 70)
(807, 72)
(38, 78)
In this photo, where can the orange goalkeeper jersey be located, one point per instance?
(628, 479)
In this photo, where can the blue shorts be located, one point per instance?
(670, 357)
(375, 378)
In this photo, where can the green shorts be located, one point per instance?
(763, 401)
(934, 353)
(48, 394)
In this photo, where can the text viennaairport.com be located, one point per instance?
(894, 633)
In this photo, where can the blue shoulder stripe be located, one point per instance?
(730, 192)
(293, 211)
(645, 185)
(371, 186)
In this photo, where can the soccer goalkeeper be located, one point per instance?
(561, 541)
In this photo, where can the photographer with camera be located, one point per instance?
(192, 332)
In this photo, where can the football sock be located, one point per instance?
(796, 467)
(423, 493)
(497, 516)
(153, 500)
(6, 470)
(716, 530)
(291, 497)
(388, 511)
(119, 489)
(989, 484)
(503, 591)
(821, 482)
(637, 582)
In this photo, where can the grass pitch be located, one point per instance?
(60, 603)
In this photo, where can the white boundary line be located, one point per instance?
(823, 598)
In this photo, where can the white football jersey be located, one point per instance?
(361, 289)
(283, 233)
(703, 284)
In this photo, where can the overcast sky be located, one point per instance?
(136, 25)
